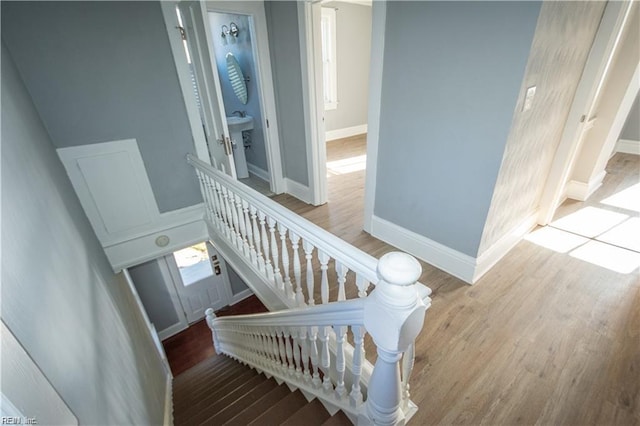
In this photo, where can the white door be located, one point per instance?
(199, 82)
(201, 280)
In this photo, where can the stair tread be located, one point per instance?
(338, 419)
(210, 410)
(240, 404)
(313, 413)
(210, 384)
(281, 410)
(214, 394)
(204, 377)
(258, 407)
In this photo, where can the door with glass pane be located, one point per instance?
(201, 279)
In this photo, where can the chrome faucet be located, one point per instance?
(240, 113)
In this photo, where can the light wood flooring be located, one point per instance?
(543, 338)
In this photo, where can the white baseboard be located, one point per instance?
(500, 248)
(345, 133)
(171, 331)
(258, 172)
(449, 260)
(240, 296)
(168, 402)
(628, 146)
(460, 265)
(582, 191)
(301, 192)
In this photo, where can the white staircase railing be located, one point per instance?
(293, 345)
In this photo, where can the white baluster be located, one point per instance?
(326, 360)
(274, 254)
(355, 397)
(223, 212)
(308, 254)
(363, 284)
(242, 228)
(324, 280)
(276, 349)
(249, 231)
(314, 355)
(283, 352)
(205, 196)
(407, 367)
(289, 351)
(341, 391)
(256, 236)
(297, 268)
(341, 270)
(227, 207)
(393, 315)
(296, 352)
(282, 230)
(265, 246)
(304, 354)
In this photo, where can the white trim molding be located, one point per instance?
(488, 258)
(168, 402)
(298, 190)
(258, 172)
(628, 146)
(581, 191)
(458, 264)
(346, 132)
(236, 298)
(468, 268)
(378, 25)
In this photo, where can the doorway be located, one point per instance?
(227, 136)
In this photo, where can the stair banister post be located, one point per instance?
(210, 317)
(393, 316)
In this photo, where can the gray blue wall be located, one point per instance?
(75, 318)
(241, 48)
(631, 129)
(353, 45)
(284, 46)
(451, 80)
(152, 289)
(103, 71)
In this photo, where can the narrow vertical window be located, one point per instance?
(329, 65)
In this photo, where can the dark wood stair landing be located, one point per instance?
(220, 391)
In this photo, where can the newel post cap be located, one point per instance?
(397, 268)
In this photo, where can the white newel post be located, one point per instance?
(210, 317)
(393, 316)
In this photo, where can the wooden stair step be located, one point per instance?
(210, 384)
(240, 404)
(214, 394)
(338, 419)
(258, 407)
(206, 377)
(281, 410)
(313, 413)
(226, 400)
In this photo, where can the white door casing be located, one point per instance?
(211, 292)
(212, 127)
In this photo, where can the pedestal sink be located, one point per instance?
(237, 125)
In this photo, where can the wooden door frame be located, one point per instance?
(264, 79)
(580, 119)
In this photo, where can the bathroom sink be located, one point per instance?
(240, 124)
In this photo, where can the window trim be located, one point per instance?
(329, 65)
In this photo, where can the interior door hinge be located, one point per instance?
(267, 123)
(183, 33)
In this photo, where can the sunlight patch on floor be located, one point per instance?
(589, 221)
(607, 256)
(626, 199)
(556, 239)
(626, 235)
(346, 165)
